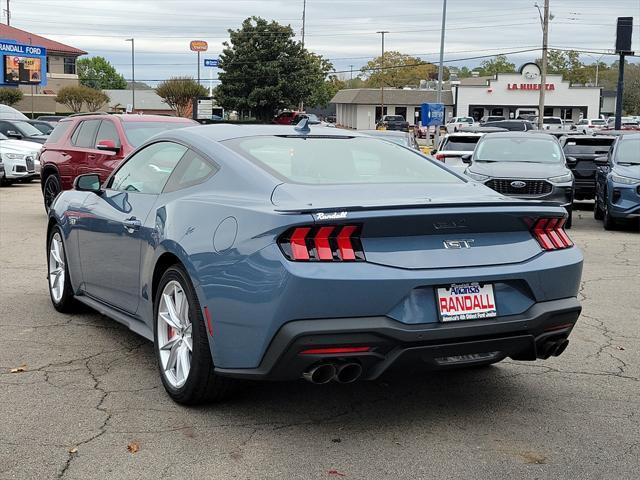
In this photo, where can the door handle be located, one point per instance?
(91, 156)
(132, 224)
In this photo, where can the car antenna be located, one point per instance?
(303, 126)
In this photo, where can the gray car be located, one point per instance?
(524, 165)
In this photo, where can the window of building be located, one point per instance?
(379, 113)
(403, 111)
(70, 65)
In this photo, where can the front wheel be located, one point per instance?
(181, 343)
(608, 220)
(51, 190)
(598, 213)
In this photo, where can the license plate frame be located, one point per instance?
(466, 296)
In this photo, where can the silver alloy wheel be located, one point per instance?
(174, 334)
(56, 267)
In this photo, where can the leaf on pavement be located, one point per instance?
(20, 369)
(620, 347)
(133, 447)
(73, 450)
(336, 473)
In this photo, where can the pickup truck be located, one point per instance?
(393, 122)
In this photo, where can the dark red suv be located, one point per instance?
(95, 143)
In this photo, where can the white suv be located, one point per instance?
(20, 161)
(456, 123)
(590, 125)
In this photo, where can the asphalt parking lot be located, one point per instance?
(80, 397)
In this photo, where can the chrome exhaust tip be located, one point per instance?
(348, 373)
(320, 374)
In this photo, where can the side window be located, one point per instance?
(107, 131)
(191, 170)
(85, 134)
(149, 169)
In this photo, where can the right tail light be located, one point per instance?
(550, 233)
(326, 243)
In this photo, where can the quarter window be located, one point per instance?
(85, 134)
(191, 170)
(148, 170)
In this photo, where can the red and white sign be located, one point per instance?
(530, 86)
(468, 301)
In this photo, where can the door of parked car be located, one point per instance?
(107, 153)
(82, 154)
(110, 246)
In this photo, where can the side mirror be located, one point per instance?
(89, 182)
(601, 161)
(571, 160)
(434, 151)
(14, 134)
(107, 146)
(466, 158)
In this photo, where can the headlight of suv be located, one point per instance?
(476, 176)
(12, 156)
(567, 177)
(624, 180)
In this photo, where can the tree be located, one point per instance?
(98, 73)
(398, 70)
(95, 99)
(496, 65)
(631, 93)
(264, 70)
(10, 96)
(326, 91)
(73, 97)
(179, 92)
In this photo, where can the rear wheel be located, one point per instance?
(569, 221)
(51, 190)
(181, 343)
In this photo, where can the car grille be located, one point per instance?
(29, 162)
(531, 187)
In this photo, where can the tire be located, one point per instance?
(63, 300)
(200, 384)
(608, 220)
(52, 188)
(569, 221)
(598, 213)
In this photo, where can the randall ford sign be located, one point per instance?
(20, 49)
(530, 79)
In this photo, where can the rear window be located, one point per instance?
(58, 132)
(139, 132)
(394, 118)
(588, 146)
(339, 160)
(598, 122)
(460, 144)
(552, 121)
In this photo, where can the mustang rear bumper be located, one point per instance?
(431, 346)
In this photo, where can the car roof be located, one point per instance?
(385, 133)
(466, 134)
(129, 117)
(529, 134)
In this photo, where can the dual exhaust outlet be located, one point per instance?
(325, 372)
(554, 348)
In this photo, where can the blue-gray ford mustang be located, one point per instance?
(277, 252)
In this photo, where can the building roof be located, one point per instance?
(392, 96)
(476, 81)
(145, 100)
(28, 38)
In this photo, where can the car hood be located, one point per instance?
(19, 146)
(299, 197)
(524, 170)
(631, 171)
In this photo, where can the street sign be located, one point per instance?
(199, 46)
(432, 114)
(211, 62)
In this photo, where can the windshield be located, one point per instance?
(629, 151)
(339, 160)
(139, 132)
(26, 129)
(519, 149)
(394, 118)
(460, 144)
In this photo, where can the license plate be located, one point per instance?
(466, 301)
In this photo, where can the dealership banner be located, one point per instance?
(22, 64)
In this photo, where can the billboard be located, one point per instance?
(22, 70)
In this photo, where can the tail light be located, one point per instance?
(550, 234)
(440, 156)
(326, 243)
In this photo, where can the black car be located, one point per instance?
(581, 152)
(22, 130)
(512, 125)
(394, 122)
(45, 127)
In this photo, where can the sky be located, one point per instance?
(342, 30)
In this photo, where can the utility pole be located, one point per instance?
(543, 69)
(436, 135)
(133, 75)
(304, 24)
(8, 14)
(382, 32)
(351, 76)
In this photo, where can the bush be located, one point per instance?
(10, 96)
(75, 97)
(95, 99)
(179, 92)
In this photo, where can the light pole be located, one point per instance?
(382, 32)
(597, 63)
(543, 69)
(133, 75)
(436, 135)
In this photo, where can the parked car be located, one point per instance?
(22, 130)
(19, 160)
(551, 123)
(453, 147)
(589, 125)
(581, 152)
(394, 136)
(491, 118)
(95, 143)
(10, 113)
(528, 165)
(618, 182)
(286, 118)
(393, 122)
(456, 123)
(338, 252)
(513, 125)
(626, 123)
(45, 127)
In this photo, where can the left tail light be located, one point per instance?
(440, 156)
(325, 243)
(550, 233)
